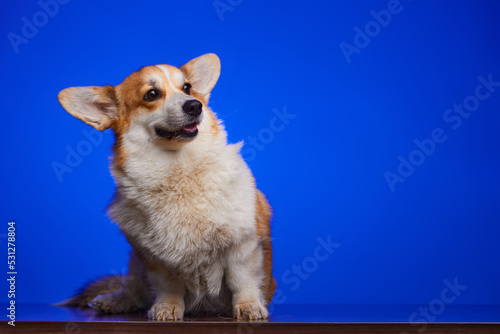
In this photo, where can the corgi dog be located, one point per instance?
(185, 199)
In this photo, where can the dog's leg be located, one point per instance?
(244, 277)
(169, 302)
(133, 294)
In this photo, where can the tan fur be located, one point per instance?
(198, 227)
(263, 220)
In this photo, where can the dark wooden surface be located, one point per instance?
(250, 328)
(35, 318)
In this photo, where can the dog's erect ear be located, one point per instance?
(202, 73)
(94, 105)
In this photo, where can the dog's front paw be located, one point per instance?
(111, 303)
(250, 311)
(166, 311)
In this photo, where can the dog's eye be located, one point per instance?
(151, 95)
(187, 88)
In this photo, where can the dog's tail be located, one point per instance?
(103, 286)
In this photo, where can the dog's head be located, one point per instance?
(162, 102)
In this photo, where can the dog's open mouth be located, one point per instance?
(187, 131)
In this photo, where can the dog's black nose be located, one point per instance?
(192, 107)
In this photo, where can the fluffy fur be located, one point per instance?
(198, 226)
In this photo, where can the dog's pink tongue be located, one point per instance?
(190, 127)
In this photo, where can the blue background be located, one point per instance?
(323, 173)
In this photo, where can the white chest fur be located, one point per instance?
(187, 209)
